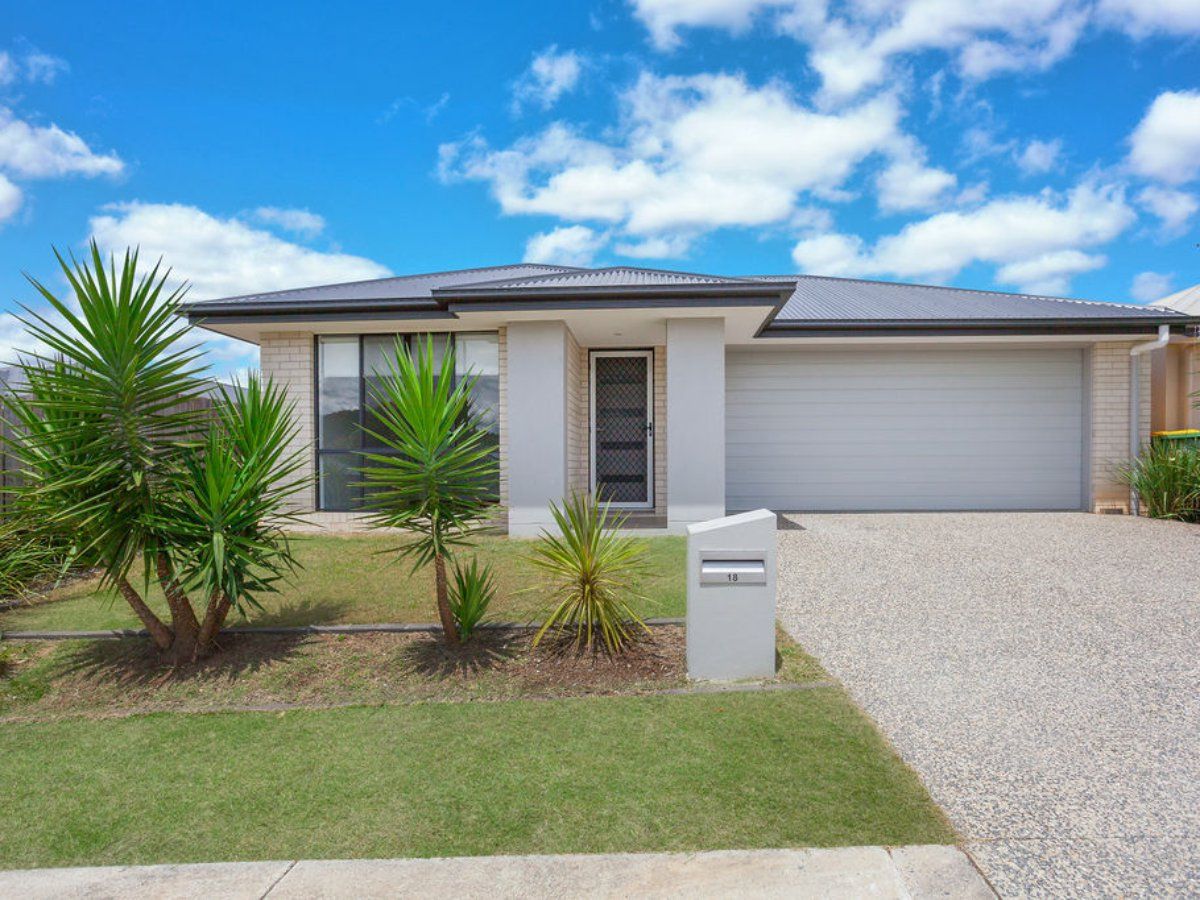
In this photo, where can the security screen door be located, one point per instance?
(623, 428)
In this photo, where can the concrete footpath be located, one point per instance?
(851, 872)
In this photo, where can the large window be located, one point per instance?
(348, 366)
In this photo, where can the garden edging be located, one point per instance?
(382, 628)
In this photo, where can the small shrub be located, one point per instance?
(6, 662)
(591, 572)
(31, 558)
(1167, 481)
(471, 591)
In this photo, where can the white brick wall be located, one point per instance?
(1109, 386)
(287, 357)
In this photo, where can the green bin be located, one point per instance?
(1185, 439)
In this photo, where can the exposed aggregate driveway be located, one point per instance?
(1041, 671)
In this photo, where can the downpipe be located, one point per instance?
(1135, 397)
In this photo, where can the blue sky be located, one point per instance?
(1040, 145)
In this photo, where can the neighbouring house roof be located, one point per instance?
(800, 303)
(1186, 301)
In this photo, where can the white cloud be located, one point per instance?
(1049, 273)
(1173, 208)
(908, 184)
(853, 45)
(222, 257)
(1039, 157)
(1166, 144)
(571, 245)
(663, 18)
(1142, 18)
(691, 154)
(298, 221)
(550, 75)
(33, 151)
(32, 66)
(659, 247)
(42, 68)
(1037, 241)
(1150, 286)
(10, 199)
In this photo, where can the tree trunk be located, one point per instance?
(214, 618)
(443, 601)
(159, 633)
(183, 618)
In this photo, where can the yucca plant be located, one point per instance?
(225, 509)
(591, 573)
(115, 452)
(436, 477)
(471, 591)
(1167, 481)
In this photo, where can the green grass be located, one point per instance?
(801, 768)
(348, 580)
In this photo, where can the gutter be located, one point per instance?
(1135, 391)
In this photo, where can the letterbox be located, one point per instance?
(731, 597)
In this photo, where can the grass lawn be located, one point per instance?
(346, 579)
(600, 774)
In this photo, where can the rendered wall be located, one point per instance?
(536, 412)
(695, 438)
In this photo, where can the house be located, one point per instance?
(1175, 378)
(683, 396)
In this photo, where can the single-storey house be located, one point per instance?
(683, 396)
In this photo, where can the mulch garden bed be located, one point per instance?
(265, 671)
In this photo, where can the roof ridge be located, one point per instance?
(345, 284)
(580, 272)
(941, 287)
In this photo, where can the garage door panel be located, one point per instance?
(904, 429)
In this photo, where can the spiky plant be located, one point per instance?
(591, 571)
(109, 440)
(436, 477)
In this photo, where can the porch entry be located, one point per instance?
(622, 427)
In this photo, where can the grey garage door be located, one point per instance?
(905, 429)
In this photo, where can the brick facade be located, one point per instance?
(1108, 387)
(287, 358)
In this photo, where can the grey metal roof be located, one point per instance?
(403, 287)
(824, 299)
(812, 302)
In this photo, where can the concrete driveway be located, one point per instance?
(1041, 671)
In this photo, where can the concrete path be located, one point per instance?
(854, 872)
(1039, 670)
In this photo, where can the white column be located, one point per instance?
(695, 421)
(537, 423)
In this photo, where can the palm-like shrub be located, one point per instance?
(1167, 481)
(435, 477)
(591, 572)
(471, 591)
(114, 452)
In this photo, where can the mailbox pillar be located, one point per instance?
(731, 597)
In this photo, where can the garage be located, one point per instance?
(905, 429)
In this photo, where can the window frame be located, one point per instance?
(318, 451)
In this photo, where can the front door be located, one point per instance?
(623, 428)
